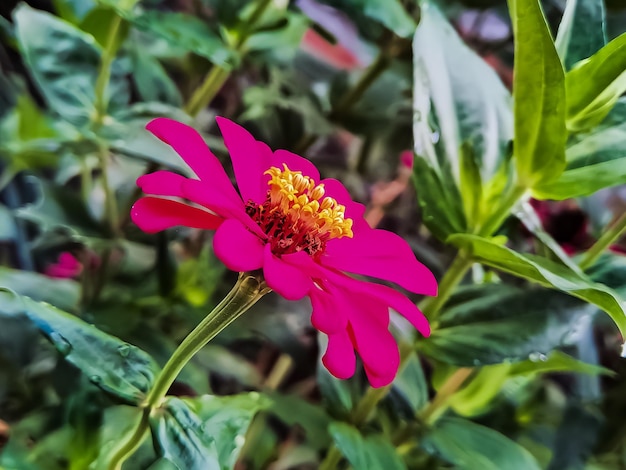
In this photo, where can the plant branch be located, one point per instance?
(605, 240)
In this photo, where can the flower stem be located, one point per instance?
(218, 75)
(133, 442)
(332, 459)
(607, 239)
(104, 74)
(110, 203)
(498, 217)
(248, 290)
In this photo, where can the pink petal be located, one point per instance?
(250, 160)
(214, 199)
(190, 145)
(68, 260)
(287, 280)
(380, 254)
(153, 214)
(238, 248)
(372, 339)
(377, 381)
(295, 163)
(162, 183)
(391, 297)
(339, 358)
(327, 316)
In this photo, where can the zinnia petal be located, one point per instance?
(326, 315)
(153, 214)
(250, 158)
(295, 163)
(339, 358)
(190, 145)
(162, 183)
(237, 247)
(380, 254)
(287, 280)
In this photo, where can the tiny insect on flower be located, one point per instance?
(306, 234)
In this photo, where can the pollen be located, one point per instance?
(296, 215)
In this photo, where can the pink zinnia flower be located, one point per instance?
(66, 267)
(305, 234)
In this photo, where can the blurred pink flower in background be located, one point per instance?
(305, 234)
(66, 267)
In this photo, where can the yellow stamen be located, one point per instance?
(299, 198)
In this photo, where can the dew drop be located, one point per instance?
(96, 379)
(62, 345)
(537, 357)
(123, 350)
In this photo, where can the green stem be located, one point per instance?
(367, 404)
(607, 239)
(216, 78)
(133, 442)
(104, 73)
(248, 290)
(431, 306)
(498, 217)
(110, 203)
(332, 459)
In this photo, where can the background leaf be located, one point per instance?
(118, 368)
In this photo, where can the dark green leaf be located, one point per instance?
(207, 432)
(441, 204)
(113, 365)
(582, 31)
(594, 85)
(498, 323)
(63, 293)
(390, 13)
(187, 32)
(371, 453)
(64, 63)
(338, 394)
(295, 411)
(470, 446)
(73, 11)
(470, 103)
(410, 383)
(98, 23)
(151, 80)
(7, 224)
(539, 97)
(545, 272)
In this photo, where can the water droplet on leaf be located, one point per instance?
(62, 345)
(123, 350)
(96, 379)
(537, 357)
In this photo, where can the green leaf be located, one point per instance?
(295, 411)
(498, 323)
(390, 13)
(187, 32)
(63, 293)
(480, 393)
(545, 272)
(338, 394)
(64, 63)
(111, 364)
(439, 199)
(539, 97)
(471, 105)
(73, 11)
(602, 145)
(582, 31)
(470, 186)
(411, 384)
(151, 80)
(98, 23)
(204, 433)
(470, 446)
(557, 362)
(594, 85)
(583, 181)
(371, 453)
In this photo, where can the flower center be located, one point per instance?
(295, 214)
